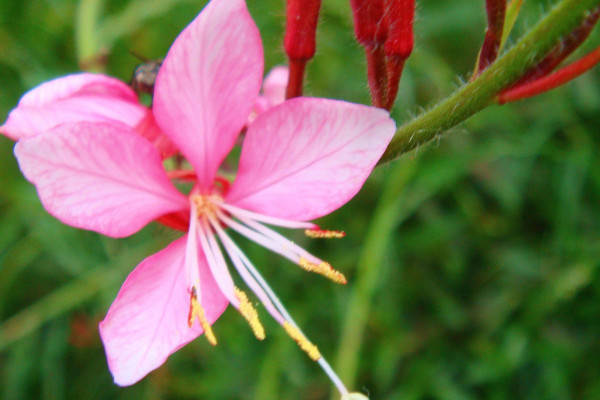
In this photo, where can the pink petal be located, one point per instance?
(275, 84)
(208, 84)
(307, 157)
(73, 98)
(98, 177)
(273, 91)
(148, 321)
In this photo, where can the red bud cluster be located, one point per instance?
(385, 29)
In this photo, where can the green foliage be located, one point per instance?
(473, 263)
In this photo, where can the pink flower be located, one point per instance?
(300, 160)
(83, 97)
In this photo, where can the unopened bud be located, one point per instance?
(369, 23)
(400, 15)
(301, 28)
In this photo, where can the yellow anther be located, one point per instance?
(324, 269)
(324, 234)
(196, 311)
(303, 342)
(249, 312)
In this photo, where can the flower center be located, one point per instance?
(206, 205)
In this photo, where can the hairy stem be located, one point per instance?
(473, 97)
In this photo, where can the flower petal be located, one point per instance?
(208, 84)
(73, 98)
(98, 177)
(273, 91)
(307, 157)
(275, 84)
(148, 321)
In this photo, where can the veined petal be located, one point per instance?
(78, 84)
(73, 98)
(208, 84)
(307, 157)
(98, 177)
(148, 321)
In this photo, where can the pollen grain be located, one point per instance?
(303, 342)
(323, 268)
(196, 311)
(249, 312)
(324, 234)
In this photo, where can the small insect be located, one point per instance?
(144, 76)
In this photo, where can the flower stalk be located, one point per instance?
(300, 40)
(89, 52)
(370, 29)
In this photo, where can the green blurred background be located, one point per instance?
(472, 263)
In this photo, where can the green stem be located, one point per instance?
(87, 40)
(481, 92)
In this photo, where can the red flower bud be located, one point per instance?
(300, 40)
(496, 13)
(369, 23)
(301, 28)
(400, 15)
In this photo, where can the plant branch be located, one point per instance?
(473, 97)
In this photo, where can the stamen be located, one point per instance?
(249, 312)
(303, 342)
(269, 239)
(196, 311)
(284, 223)
(282, 247)
(322, 362)
(323, 268)
(236, 257)
(324, 234)
(216, 262)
